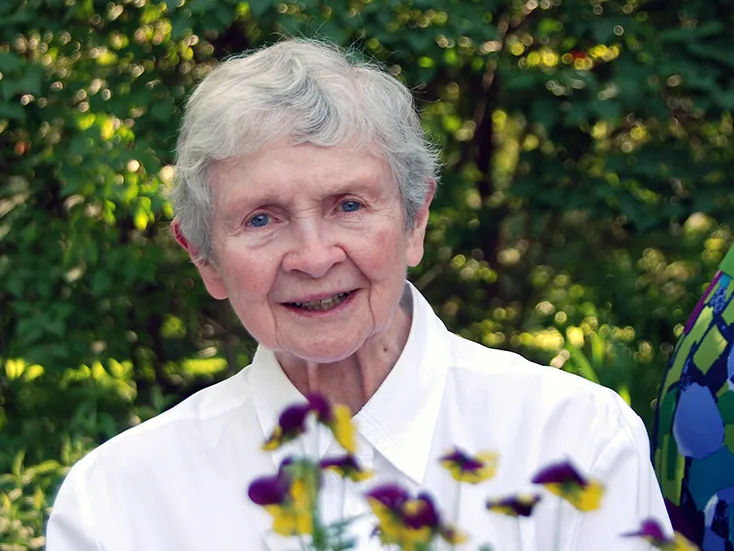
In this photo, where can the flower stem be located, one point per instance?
(457, 506)
(518, 534)
(311, 481)
(345, 481)
(557, 546)
(301, 540)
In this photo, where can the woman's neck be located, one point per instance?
(354, 380)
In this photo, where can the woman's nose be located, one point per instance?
(313, 250)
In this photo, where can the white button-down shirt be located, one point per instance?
(179, 481)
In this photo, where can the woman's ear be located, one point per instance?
(179, 236)
(417, 235)
(213, 280)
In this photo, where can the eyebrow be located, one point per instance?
(369, 185)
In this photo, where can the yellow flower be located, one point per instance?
(453, 535)
(584, 498)
(344, 429)
(274, 441)
(565, 481)
(681, 543)
(412, 524)
(652, 532)
(289, 497)
(347, 467)
(338, 418)
(290, 522)
(471, 469)
(389, 524)
(520, 505)
(300, 511)
(291, 425)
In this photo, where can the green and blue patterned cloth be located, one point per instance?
(694, 426)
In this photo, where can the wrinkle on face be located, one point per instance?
(308, 248)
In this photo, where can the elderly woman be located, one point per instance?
(303, 189)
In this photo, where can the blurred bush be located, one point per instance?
(584, 201)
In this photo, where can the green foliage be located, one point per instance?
(586, 168)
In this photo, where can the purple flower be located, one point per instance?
(269, 490)
(288, 496)
(391, 496)
(293, 419)
(565, 481)
(338, 418)
(411, 523)
(347, 467)
(291, 425)
(520, 505)
(321, 407)
(272, 490)
(420, 512)
(559, 473)
(470, 468)
(651, 531)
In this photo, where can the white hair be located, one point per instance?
(308, 92)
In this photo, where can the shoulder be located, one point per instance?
(557, 404)
(189, 454)
(196, 424)
(501, 367)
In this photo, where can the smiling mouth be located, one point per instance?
(322, 305)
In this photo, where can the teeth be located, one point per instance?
(323, 304)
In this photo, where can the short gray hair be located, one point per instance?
(309, 92)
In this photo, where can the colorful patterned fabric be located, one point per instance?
(694, 425)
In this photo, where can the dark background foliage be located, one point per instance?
(586, 196)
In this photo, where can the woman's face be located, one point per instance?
(310, 247)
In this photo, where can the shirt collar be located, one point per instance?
(400, 419)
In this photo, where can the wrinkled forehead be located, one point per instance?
(286, 170)
(354, 154)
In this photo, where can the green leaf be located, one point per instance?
(603, 29)
(18, 18)
(29, 330)
(420, 40)
(161, 111)
(610, 109)
(583, 365)
(725, 99)
(180, 27)
(224, 14)
(17, 468)
(199, 7)
(260, 7)
(101, 283)
(577, 114)
(546, 112)
(10, 62)
(11, 111)
(30, 83)
(707, 28)
(44, 468)
(520, 80)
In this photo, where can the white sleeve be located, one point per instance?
(70, 527)
(632, 491)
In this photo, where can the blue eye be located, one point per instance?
(350, 206)
(259, 220)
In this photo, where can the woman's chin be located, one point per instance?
(326, 357)
(322, 353)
